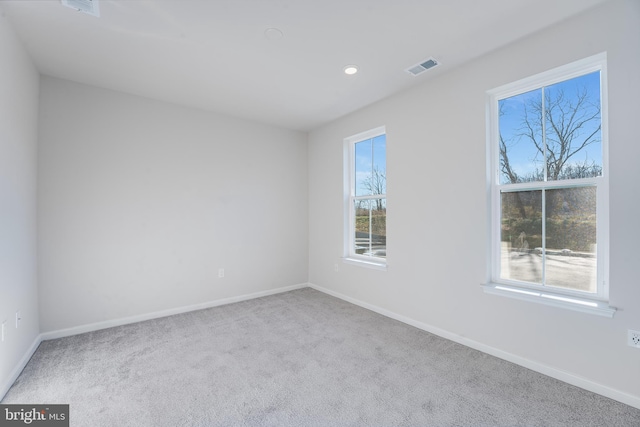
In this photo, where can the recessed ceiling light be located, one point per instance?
(273, 34)
(350, 70)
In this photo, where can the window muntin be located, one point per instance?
(549, 192)
(367, 203)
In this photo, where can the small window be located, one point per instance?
(366, 197)
(549, 192)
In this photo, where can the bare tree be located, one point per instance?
(569, 128)
(505, 166)
(559, 131)
(507, 170)
(376, 183)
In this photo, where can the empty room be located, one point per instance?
(319, 213)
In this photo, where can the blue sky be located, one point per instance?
(523, 155)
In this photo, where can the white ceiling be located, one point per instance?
(213, 54)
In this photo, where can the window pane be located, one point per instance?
(573, 128)
(571, 238)
(370, 228)
(379, 174)
(362, 226)
(379, 228)
(364, 167)
(521, 236)
(371, 166)
(521, 143)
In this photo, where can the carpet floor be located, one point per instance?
(301, 358)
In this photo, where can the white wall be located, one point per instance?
(18, 138)
(437, 211)
(141, 202)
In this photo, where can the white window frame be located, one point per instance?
(349, 254)
(574, 300)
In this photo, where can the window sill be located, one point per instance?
(376, 265)
(583, 305)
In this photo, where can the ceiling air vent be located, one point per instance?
(422, 67)
(90, 7)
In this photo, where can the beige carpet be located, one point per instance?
(301, 358)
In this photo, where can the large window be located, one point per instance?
(366, 200)
(548, 179)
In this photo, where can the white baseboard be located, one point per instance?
(164, 313)
(550, 371)
(4, 388)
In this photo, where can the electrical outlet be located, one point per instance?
(220, 273)
(18, 319)
(336, 267)
(634, 339)
(4, 329)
